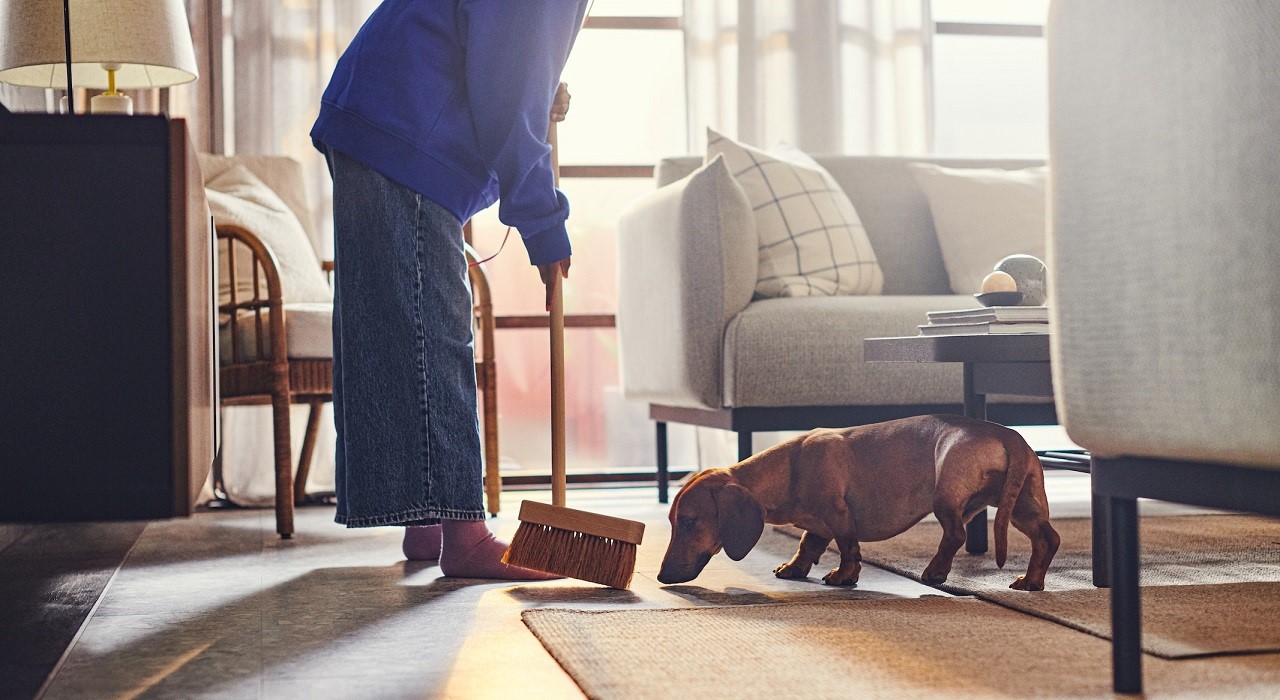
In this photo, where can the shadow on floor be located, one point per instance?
(349, 620)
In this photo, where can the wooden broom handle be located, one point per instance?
(558, 478)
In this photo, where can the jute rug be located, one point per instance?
(908, 648)
(1179, 620)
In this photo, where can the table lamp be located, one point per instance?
(115, 45)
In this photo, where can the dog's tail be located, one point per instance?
(1017, 466)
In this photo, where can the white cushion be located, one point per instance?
(238, 197)
(811, 242)
(308, 330)
(982, 215)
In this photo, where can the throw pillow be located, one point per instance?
(982, 215)
(239, 198)
(811, 241)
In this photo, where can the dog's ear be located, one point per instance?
(741, 520)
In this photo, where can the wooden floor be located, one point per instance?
(51, 576)
(216, 606)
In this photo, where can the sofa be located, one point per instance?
(1164, 247)
(699, 349)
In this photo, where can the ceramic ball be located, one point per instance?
(1030, 276)
(998, 282)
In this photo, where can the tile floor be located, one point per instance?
(218, 606)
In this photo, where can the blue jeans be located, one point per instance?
(404, 382)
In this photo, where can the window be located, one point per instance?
(626, 75)
(989, 77)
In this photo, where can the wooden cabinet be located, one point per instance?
(107, 373)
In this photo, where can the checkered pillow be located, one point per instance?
(811, 241)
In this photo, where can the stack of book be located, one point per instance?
(994, 320)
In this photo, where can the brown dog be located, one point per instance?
(867, 483)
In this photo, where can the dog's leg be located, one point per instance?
(810, 551)
(1030, 518)
(850, 563)
(953, 535)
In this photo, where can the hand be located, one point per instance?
(549, 273)
(560, 104)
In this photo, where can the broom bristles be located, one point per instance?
(603, 560)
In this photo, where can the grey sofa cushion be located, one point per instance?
(892, 208)
(808, 352)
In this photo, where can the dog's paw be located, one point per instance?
(934, 577)
(791, 570)
(836, 578)
(1022, 584)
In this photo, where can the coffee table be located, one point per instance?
(995, 364)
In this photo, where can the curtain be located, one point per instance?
(829, 76)
(277, 56)
(263, 66)
(268, 61)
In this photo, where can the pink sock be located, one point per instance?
(470, 551)
(421, 542)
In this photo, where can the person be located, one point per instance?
(435, 111)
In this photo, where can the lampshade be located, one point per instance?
(149, 39)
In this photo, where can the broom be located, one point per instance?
(553, 538)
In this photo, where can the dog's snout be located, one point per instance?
(672, 573)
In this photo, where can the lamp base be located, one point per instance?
(111, 104)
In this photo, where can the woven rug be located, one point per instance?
(909, 648)
(1179, 619)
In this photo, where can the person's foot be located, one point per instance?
(422, 542)
(470, 551)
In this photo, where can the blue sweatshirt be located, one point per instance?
(451, 98)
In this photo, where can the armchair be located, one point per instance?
(1163, 248)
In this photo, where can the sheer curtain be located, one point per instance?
(282, 53)
(271, 61)
(829, 76)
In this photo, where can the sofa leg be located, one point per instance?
(1101, 553)
(1126, 619)
(663, 468)
(744, 445)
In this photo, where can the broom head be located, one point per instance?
(575, 543)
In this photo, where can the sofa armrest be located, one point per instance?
(687, 265)
(1164, 245)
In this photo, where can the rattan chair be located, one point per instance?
(257, 367)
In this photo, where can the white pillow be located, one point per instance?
(239, 198)
(811, 241)
(982, 215)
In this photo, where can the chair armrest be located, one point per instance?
(266, 264)
(687, 264)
